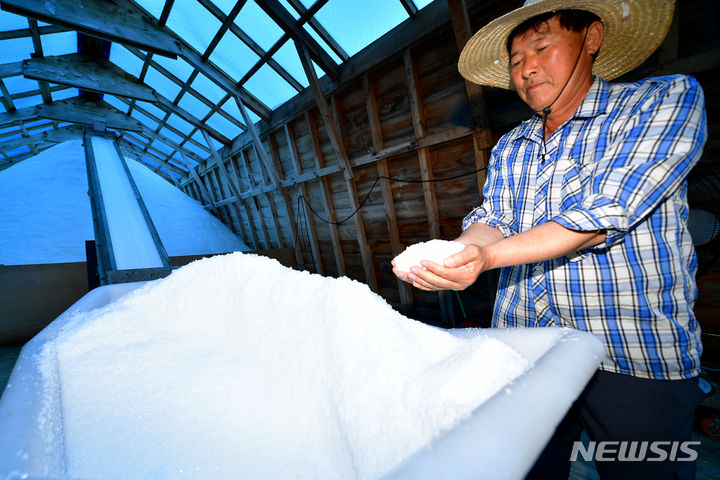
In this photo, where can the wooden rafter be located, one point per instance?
(88, 73)
(409, 7)
(77, 110)
(283, 18)
(119, 21)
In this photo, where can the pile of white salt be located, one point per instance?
(237, 367)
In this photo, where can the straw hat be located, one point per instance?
(633, 30)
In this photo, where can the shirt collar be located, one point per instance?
(595, 103)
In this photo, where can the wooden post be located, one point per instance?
(404, 290)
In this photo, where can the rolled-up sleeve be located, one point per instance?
(634, 170)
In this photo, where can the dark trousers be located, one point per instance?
(618, 408)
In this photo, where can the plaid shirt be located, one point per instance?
(619, 163)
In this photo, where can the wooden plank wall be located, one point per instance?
(401, 121)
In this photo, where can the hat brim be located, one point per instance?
(634, 29)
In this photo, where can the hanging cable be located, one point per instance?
(392, 179)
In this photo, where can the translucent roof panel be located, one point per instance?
(10, 21)
(16, 49)
(65, 93)
(422, 3)
(231, 108)
(115, 102)
(125, 59)
(163, 85)
(209, 89)
(196, 150)
(290, 9)
(287, 57)
(153, 7)
(198, 137)
(256, 23)
(324, 44)
(233, 56)
(178, 67)
(222, 124)
(192, 105)
(18, 84)
(351, 25)
(59, 43)
(151, 109)
(147, 121)
(27, 101)
(269, 87)
(171, 135)
(193, 23)
(180, 124)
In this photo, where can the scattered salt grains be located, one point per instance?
(434, 250)
(241, 367)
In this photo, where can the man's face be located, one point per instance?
(542, 61)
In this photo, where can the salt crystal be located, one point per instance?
(433, 250)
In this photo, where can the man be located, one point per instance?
(585, 212)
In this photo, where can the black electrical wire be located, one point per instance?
(367, 196)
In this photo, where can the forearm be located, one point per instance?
(480, 234)
(544, 242)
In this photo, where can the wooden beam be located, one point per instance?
(326, 197)
(88, 73)
(325, 113)
(259, 148)
(351, 186)
(143, 153)
(11, 69)
(404, 290)
(77, 110)
(203, 191)
(118, 21)
(283, 18)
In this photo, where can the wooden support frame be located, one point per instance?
(326, 196)
(404, 290)
(314, 247)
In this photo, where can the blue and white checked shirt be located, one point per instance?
(618, 164)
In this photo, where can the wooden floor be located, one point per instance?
(708, 464)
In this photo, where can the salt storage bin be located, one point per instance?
(500, 439)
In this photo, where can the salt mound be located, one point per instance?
(433, 250)
(237, 367)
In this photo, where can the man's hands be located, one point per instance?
(458, 272)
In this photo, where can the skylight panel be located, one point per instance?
(258, 25)
(147, 121)
(322, 43)
(60, 43)
(153, 7)
(16, 49)
(209, 89)
(199, 137)
(27, 101)
(225, 5)
(190, 103)
(10, 21)
(65, 93)
(353, 28)
(123, 58)
(166, 132)
(17, 151)
(310, 3)
(230, 107)
(233, 56)
(151, 109)
(269, 87)
(193, 23)
(161, 146)
(179, 67)
(19, 84)
(196, 150)
(422, 3)
(163, 85)
(115, 102)
(180, 124)
(287, 57)
(224, 126)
